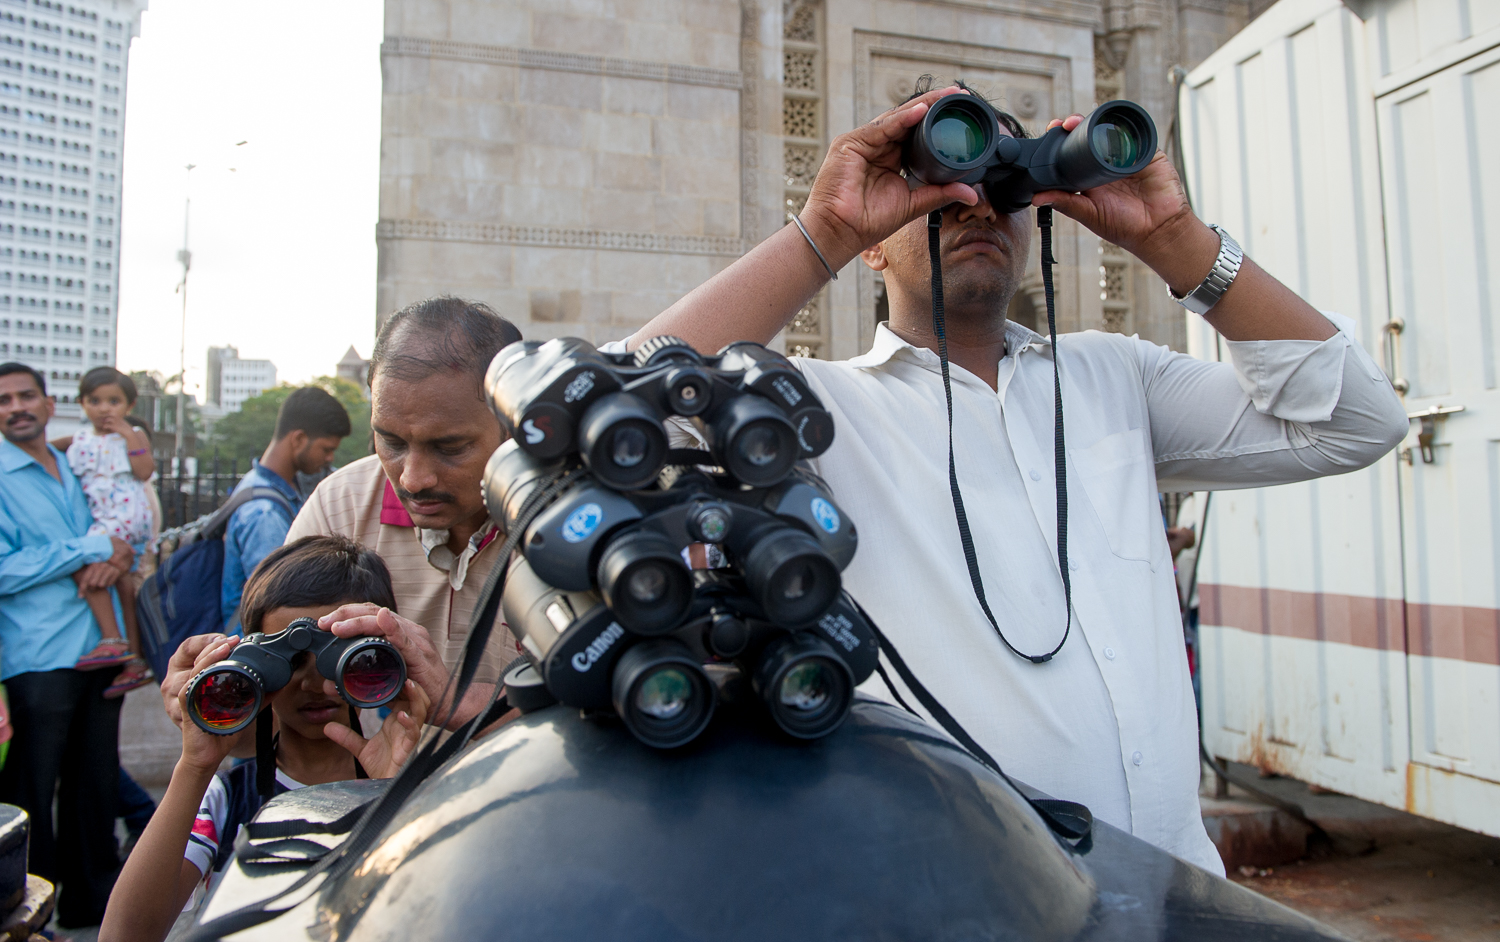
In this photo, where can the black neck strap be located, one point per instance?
(939, 328)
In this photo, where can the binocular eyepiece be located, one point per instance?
(960, 140)
(226, 697)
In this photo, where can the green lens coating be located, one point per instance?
(956, 136)
(1117, 145)
(806, 687)
(664, 694)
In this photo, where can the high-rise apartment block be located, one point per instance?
(62, 118)
(231, 380)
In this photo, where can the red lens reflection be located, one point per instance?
(372, 676)
(225, 699)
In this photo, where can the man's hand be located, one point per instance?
(1131, 213)
(423, 664)
(202, 752)
(860, 196)
(123, 556)
(95, 576)
(383, 755)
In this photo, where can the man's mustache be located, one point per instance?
(20, 417)
(427, 496)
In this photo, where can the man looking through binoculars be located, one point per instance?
(1109, 720)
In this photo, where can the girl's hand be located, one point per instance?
(383, 755)
(202, 752)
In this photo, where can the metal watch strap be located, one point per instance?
(1202, 298)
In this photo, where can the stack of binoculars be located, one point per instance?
(602, 597)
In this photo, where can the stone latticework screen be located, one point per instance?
(803, 144)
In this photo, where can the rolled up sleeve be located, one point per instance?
(25, 567)
(1280, 411)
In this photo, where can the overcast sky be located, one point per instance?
(283, 246)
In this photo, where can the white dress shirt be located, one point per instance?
(1110, 720)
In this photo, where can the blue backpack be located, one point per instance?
(182, 598)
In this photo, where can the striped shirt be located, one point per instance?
(437, 591)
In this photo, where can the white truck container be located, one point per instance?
(1351, 626)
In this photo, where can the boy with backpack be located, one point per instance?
(191, 837)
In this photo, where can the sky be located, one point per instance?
(283, 244)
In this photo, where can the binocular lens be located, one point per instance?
(807, 688)
(647, 584)
(1117, 145)
(372, 676)
(644, 581)
(758, 445)
(662, 693)
(622, 441)
(755, 441)
(224, 701)
(628, 446)
(793, 579)
(958, 137)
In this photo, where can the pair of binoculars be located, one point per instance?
(227, 697)
(960, 141)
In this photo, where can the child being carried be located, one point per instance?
(112, 461)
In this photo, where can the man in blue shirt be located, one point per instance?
(309, 427)
(66, 733)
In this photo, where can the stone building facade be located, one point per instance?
(582, 164)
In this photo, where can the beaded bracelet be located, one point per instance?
(139, 451)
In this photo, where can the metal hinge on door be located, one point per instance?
(1427, 437)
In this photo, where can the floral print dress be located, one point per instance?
(117, 500)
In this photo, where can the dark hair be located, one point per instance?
(440, 334)
(7, 369)
(312, 410)
(1010, 122)
(315, 570)
(139, 423)
(107, 376)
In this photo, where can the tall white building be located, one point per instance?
(231, 380)
(62, 117)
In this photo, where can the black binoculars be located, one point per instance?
(959, 140)
(564, 396)
(226, 697)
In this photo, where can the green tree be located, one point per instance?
(245, 434)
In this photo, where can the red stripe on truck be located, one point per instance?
(1458, 632)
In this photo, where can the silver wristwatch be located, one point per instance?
(1202, 298)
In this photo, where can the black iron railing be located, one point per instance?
(200, 486)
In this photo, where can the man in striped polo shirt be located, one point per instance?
(416, 501)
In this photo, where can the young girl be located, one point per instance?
(191, 835)
(112, 461)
